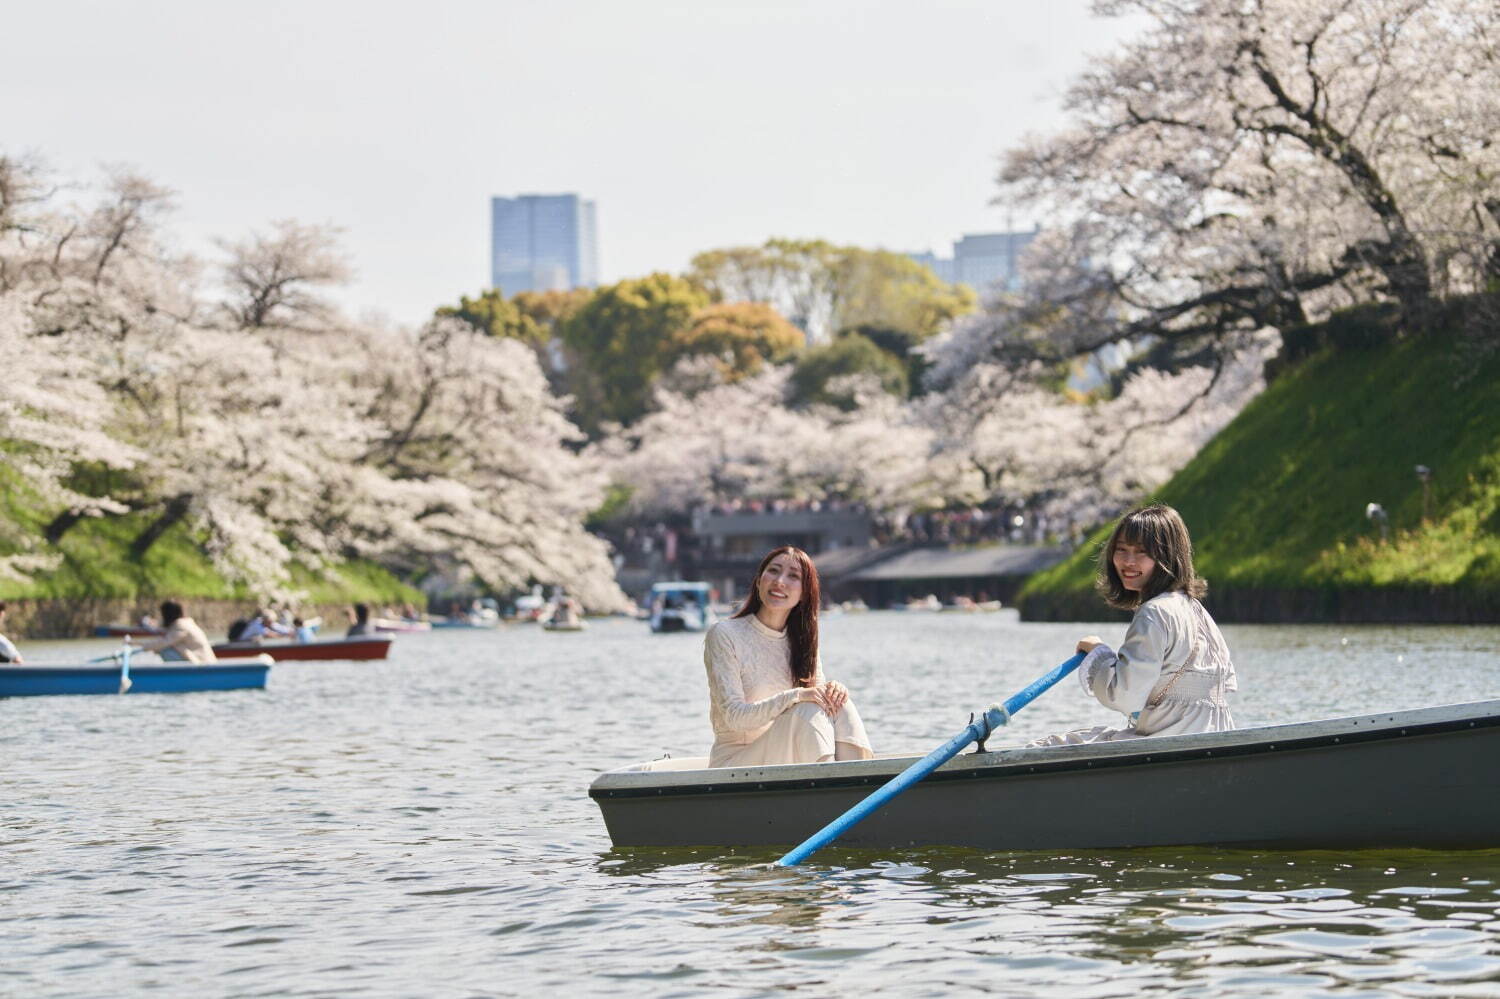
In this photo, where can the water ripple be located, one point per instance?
(420, 827)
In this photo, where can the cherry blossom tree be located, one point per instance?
(703, 446)
(275, 429)
(1005, 435)
(1252, 164)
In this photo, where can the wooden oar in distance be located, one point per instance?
(977, 730)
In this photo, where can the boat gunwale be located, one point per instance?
(1409, 723)
(386, 638)
(136, 669)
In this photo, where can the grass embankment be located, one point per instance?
(1276, 502)
(98, 568)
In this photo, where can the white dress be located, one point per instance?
(1170, 676)
(753, 704)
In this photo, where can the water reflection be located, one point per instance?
(1230, 921)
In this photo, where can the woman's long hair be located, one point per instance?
(802, 623)
(1161, 532)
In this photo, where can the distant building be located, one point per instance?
(731, 545)
(901, 573)
(543, 242)
(982, 260)
(941, 266)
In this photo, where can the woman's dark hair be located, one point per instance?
(802, 624)
(361, 612)
(1161, 533)
(171, 610)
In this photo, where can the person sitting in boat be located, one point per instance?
(567, 613)
(1171, 674)
(183, 640)
(769, 701)
(262, 626)
(360, 623)
(8, 651)
(306, 630)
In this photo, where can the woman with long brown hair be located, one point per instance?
(768, 699)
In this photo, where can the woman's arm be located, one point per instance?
(168, 640)
(726, 688)
(1123, 680)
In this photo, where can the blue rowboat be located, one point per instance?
(104, 678)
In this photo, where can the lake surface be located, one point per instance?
(421, 827)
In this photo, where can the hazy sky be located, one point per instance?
(693, 125)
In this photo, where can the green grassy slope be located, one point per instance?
(97, 563)
(1276, 502)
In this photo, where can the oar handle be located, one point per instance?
(125, 665)
(996, 716)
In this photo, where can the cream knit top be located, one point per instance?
(749, 678)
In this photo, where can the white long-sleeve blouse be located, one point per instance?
(1170, 676)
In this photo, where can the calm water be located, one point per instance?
(422, 827)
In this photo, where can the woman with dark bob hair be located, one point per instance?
(1171, 674)
(182, 640)
(768, 699)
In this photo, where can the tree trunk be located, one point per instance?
(176, 509)
(61, 524)
(1492, 261)
(1400, 257)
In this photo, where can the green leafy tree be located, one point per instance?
(899, 344)
(546, 309)
(822, 288)
(894, 292)
(821, 374)
(743, 337)
(531, 317)
(622, 338)
(491, 312)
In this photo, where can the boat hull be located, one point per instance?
(1423, 778)
(362, 647)
(124, 631)
(32, 681)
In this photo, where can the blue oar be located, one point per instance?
(979, 729)
(125, 667)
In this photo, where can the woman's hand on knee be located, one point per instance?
(835, 696)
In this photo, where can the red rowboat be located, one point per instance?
(123, 631)
(359, 647)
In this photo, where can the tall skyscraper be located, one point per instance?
(543, 242)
